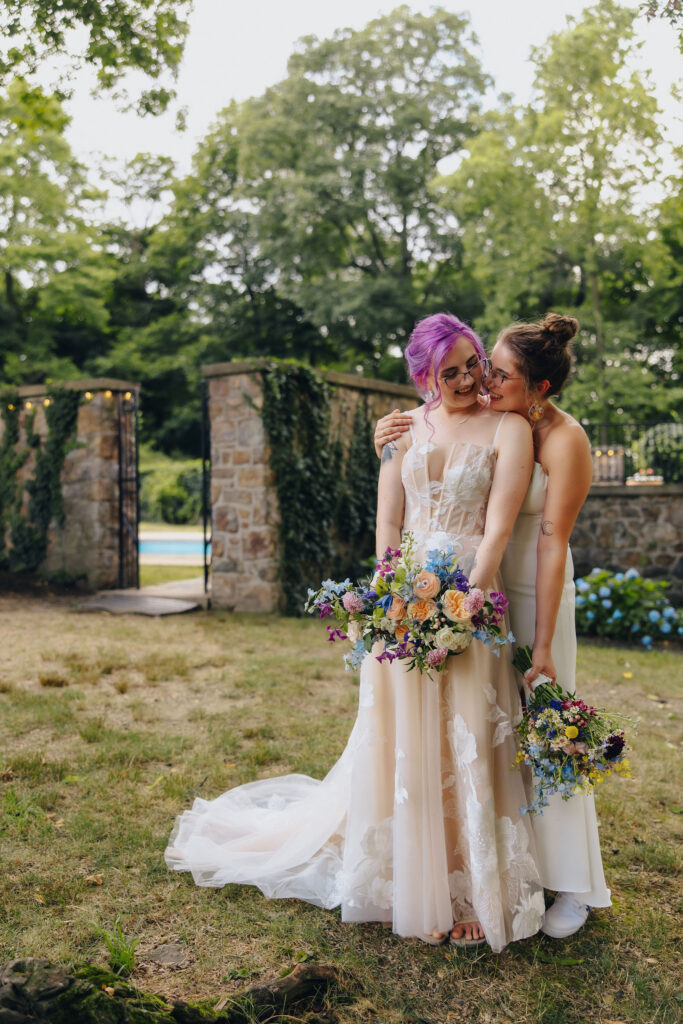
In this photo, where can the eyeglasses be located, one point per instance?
(499, 376)
(451, 378)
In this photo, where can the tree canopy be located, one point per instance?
(375, 184)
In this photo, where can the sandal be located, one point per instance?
(461, 940)
(435, 940)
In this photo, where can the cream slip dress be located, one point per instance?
(566, 832)
(418, 824)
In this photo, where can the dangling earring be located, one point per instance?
(536, 412)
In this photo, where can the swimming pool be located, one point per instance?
(172, 547)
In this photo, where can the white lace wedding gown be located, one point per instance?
(566, 833)
(418, 823)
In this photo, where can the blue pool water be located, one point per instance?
(171, 547)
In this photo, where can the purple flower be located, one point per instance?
(499, 602)
(614, 745)
(474, 602)
(335, 634)
(387, 656)
(325, 610)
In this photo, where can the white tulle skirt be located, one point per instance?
(417, 824)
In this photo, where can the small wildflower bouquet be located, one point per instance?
(569, 746)
(421, 613)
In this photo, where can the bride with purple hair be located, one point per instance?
(418, 824)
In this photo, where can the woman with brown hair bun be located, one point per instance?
(530, 364)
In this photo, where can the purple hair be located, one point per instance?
(430, 342)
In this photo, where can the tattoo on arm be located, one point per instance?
(388, 452)
(547, 527)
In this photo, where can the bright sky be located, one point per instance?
(237, 48)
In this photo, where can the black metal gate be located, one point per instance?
(206, 482)
(127, 418)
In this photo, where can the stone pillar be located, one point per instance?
(245, 516)
(88, 542)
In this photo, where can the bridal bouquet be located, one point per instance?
(569, 746)
(421, 613)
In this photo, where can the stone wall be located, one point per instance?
(88, 542)
(244, 560)
(637, 527)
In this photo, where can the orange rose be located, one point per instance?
(454, 608)
(398, 608)
(426, 584)
(401, 633)
(421, 609)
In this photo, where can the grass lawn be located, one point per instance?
(153, 575)
(110, 726)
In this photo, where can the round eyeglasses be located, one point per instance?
(497, 376)
(451, 378)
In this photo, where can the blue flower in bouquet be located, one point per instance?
(556, 705)
(606, 604)
(440, 562)
(605, 591)
(354, 657)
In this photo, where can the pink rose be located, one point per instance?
(474, 602)
(352, 602)
(426, 584)
(437, 657)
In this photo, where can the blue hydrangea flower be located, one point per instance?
(616, 614)
(669, 612)
(654, 615)
(605, 591)
(580, 600)
(635, 627)
(606, 604)
(592, 597)
(582, 586)
(631, 574)
(619, 576)
(665, 626)
(590, 615)
(646, 641)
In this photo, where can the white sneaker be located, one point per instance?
(566, 915)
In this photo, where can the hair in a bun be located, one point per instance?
(543, 350)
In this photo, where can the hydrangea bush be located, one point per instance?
(626, 606)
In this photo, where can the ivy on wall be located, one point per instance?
(326, 482)
(28, 532)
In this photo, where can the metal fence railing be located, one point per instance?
(636, 452)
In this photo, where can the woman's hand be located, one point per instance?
(542, 664)
(389, 428)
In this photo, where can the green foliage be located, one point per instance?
(170, 489)
(29, 532)
(659, 449)
(326, 486)
(625, 606)
(115, 38)
(121, 950)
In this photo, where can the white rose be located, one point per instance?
(453, 640)
(388, 624)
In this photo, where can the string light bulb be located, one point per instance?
(88, 396)
(107, 394)
(128, 395)
(10, 407)
(598, 453)
(47, 401)
(29, 405)
(610, 451)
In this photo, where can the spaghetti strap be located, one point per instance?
(500, 423)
